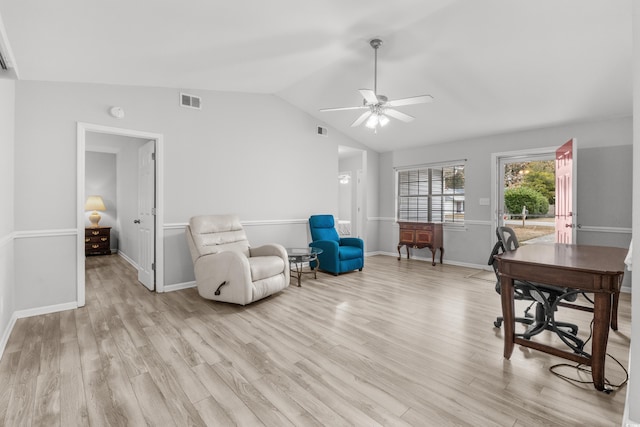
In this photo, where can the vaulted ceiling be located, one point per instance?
(492, 66)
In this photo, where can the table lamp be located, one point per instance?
(95, 204)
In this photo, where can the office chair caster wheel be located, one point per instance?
(497, 323)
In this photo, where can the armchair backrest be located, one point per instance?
(323, 228)
(217, 233)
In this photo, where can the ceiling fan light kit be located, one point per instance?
(378, 107)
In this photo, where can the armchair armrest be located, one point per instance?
(228, 266)
(328, 246)
(271, 249)
(352, 241)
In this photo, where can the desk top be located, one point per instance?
(597, 259)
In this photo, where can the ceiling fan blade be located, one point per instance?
(398, 115)
(361, 119)
(422, 99)
(369, 96)
(344, 108)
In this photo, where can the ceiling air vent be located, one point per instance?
(190, 101)
(322, 131)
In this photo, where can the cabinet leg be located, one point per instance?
(399, 254)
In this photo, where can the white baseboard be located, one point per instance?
(29, 313)
(45, 310)
(129, 260)
(179, 286)
(7, 333)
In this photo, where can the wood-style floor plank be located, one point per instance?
(402, 343)
(73, 404)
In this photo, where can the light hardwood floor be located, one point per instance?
(400, 343)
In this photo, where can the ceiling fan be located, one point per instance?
(378, 107)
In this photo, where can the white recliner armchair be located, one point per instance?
(227, 268)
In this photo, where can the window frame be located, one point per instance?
(428, 169)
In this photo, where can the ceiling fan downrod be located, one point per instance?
(375, 44)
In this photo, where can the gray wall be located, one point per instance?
(7, 305)
(604, 184)
(253, 155)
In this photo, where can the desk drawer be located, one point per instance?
(424, 237)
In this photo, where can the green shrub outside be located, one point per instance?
(516, 198)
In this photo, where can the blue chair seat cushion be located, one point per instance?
(349, 252)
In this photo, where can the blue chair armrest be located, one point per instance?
(352, 241)
(328, 246)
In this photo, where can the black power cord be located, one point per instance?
(580, 367)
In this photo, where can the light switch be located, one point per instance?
(484, 201)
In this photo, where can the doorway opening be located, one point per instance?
(528, 198)
(534, 193)
(517, 175)
(153, 203)
(351, 191)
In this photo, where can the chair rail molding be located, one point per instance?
(601, 229)
(181, 225)
(29, 234)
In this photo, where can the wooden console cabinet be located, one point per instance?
(97, 241)
(421, 235)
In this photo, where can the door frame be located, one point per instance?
(496, 158)
(82, 129)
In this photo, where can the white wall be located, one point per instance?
(7, 305)
(603, 201)
(632, 410)
(253, 155)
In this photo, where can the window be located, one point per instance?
(431, 194)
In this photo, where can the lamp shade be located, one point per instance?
(95, 204)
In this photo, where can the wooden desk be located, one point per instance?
(596, 269)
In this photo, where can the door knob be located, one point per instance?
(136, 221)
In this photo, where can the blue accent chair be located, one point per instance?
(338, 254)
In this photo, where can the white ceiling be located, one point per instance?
(493, 66)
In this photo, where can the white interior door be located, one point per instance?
(146, 215)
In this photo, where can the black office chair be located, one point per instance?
(545, 297)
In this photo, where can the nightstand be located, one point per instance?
(97, 241)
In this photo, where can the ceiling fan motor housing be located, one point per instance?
(375, 43)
